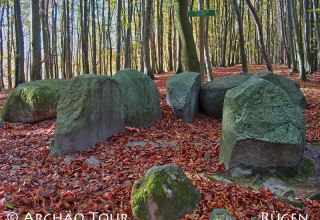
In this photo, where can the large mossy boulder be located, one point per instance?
(141, 98)
(164, 192)
(33, 101)
(182, 93)
(289, 86)
(90, 110)
(212, 93)
(261, 128)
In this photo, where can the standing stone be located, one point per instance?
(261, 127)
(33, 101)
(141, 98)
(164, 192)
(212, 93)
(1, 124)
(289, 86)
(90, 110)
(183, 94)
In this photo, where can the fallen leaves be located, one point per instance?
(33, 180)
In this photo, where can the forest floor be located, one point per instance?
(100, 179)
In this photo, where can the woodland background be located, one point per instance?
(42, 39)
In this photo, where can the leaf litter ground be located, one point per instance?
(31, 180)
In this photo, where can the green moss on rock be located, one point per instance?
(164, 192)
(34, 101)
(221, 214)
(307, 170)
(141, 98)
(90, 110)
(287, 85)
(261, 121)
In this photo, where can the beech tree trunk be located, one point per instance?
(146, 39)
(241, 36)
(1, 47)
(297, 39)
(260, 35)
(119, 29)
(307, 35)
(19, 54)
(190, 61)
(84, 35)
(9, 43)
(94, 38)
(127, 57)
(35, 73)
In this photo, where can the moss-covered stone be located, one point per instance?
(287, 85)
(34, 101)
(164, 192)
(306, 170)
(182, 92)
(261, 121)
(90, 110)
(212, 93)
(292, 201)
(221, 214)
(141, 98)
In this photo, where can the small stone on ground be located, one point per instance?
(93, 161)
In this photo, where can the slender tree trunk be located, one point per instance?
(45, 38)
(160, 35)
(260, 35)
(72, 65)
(225, 34)
(231, 34)
(109, 37)
(1, 47)
(141, 23)
(206, 48)
(54, 39)
(36, 41)
(291, 44)
(94, 38)
(307, 36)
(68, 43)
(127, 58)
(201, 41)
(153, 50)
(84, 35)
(119, 30)
(63, 56)
(136, 47)
(282, 38)
(241, 36)
(298, 40)
(102, 49)
(179, 67)
(9, 44)
(190, 61)
(170, 41)
(19, 55)
(146, 39)
(266, 44)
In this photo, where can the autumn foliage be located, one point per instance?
(32, 180)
